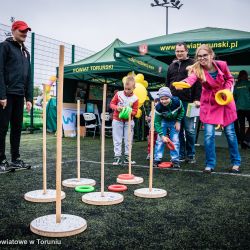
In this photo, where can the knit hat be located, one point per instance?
(164, 91)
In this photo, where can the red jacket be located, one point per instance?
(122, 100)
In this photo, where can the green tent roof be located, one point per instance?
(103, 56)
(102, 67)
(230, 45)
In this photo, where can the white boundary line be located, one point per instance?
(35, 139)
(168, 169)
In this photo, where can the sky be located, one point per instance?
(93, 24)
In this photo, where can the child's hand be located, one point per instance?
(165, 139)
(197, 104)
(148, 118)
(178, 88)
(119, 108)
(177, 126)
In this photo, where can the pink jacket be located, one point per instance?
(210, 111)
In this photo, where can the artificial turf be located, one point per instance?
(201, 211)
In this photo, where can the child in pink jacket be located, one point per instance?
(214, 76)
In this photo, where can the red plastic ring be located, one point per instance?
(166, 164)
(170, 145)
(126, 176)
(117, 188)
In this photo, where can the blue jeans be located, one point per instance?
(187, 140)
(209, 142)
(160, 145)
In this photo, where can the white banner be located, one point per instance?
(69, 119)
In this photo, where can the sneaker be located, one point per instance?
(156, 163)
(5, 167)
(117, 161)
(235, 170)
(191, 160)
(19, 164)
(247, 143)
(208, 170)
(182, 160)
(176, 165)
(126, 160)
(148, 157)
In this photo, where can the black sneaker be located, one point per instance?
(126, 160)
(5, 167)
(156, 163)
(208, 170)
(191, 160)
(235, 170)
(176, 165)
(19, 164)
(247, 143)
(182, 160)
(117, 161)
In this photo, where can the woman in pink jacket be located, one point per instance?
(214, 76)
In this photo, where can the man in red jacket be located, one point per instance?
(121, 100)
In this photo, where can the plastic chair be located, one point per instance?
(108, 123)
(90, 122)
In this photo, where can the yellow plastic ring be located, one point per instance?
(219, 97)
(183, 85)
(217, 127)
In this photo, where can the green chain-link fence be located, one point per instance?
(45, 55)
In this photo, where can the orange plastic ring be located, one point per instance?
(126, 176)
(117, 188)
(167, 164)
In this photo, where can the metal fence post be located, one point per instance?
(72, 53)
(32, 79)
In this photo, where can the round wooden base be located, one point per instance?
(109, 198)
(136, 180)
(47, 226)
(75, 182)
(155, 193)
(39, 196)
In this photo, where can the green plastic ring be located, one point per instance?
(84, 189)
(124, 114)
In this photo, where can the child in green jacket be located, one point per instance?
(168, 115)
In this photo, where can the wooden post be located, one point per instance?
(129, 144)
(59, 135)
(78, 140)
(151, 146)
(44, 142)
(103, 137)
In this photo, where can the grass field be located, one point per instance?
(200, 211)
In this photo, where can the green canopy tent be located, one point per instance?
(102, 67)
(230, 45)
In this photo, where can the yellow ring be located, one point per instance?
(183, 85)
(220, 100)
(217, 127)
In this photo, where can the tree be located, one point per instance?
(37, 91)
